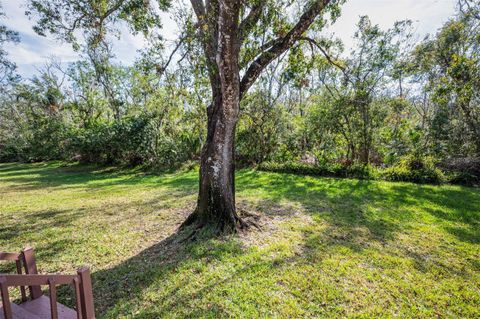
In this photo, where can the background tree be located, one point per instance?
(451, 63)
(7, 68)
(358, 84)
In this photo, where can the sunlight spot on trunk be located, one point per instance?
(216, 169)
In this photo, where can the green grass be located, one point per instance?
(328, 248)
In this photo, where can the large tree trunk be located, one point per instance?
(221, 35)
(216, 197)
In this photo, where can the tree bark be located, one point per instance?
(222, 35)
(216, 197)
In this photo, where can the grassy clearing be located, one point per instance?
(329, 248)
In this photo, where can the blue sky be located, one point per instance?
(34, 50)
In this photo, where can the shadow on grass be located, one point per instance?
(343, 204)
(41, 176)
(356, 215)
(383, 210)
(35, 222)
(117, 288)
(174, 275)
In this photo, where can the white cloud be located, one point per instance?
(428, 15)
(33, 50)
(16, 19)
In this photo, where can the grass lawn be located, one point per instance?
(328, 248)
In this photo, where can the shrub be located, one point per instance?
(414, 169)
(9, 153)
(409, 169)
(462, 170)
(137, 140)
(325, 169)
(43, 140)
(463, 178)
(360, 171)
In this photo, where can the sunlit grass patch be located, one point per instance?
(329, 248)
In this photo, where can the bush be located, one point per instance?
(463, 178)
(463, 170)
(414, 169)
(43, 140)
(137, 140)
(328, 170)
(409, 169)
(9, 153)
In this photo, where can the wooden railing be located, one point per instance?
(81, 282)
(27, 258)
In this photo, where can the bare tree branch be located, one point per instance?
(327, 56)
(161, 69)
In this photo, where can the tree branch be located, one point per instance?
(250, 20)
(114, 8)
(327, 56)
(281, 45)
(161, 69)
(208, 32)
(198, 8)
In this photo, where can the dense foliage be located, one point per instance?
(389, 108)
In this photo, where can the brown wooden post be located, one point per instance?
(78, 297)
(7, 307)
(53, 298)
(31, 269)
(87, 295)
(22, 288)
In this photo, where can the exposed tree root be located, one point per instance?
(249, 219)
(239, 222)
